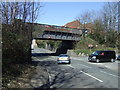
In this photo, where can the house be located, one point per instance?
(78, 25)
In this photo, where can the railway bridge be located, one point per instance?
(67, 35)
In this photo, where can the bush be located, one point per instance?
(15, 51)
(85, 51)
(41, 43)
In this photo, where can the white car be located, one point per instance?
(63, 58)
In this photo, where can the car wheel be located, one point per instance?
(112, 60)
(69, 62)
(89, 59)
(97, 60)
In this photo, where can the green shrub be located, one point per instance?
(15, 51)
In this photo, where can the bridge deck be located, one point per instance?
(51, 32)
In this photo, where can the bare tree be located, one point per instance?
(26, 11)
(85, 17)
(15, 16)
(109, 14)
(5, 15)
(119, 16)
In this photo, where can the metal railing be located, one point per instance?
(60, 37)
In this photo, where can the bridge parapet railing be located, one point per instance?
(47, 36)
(61, 29)
(56, 32)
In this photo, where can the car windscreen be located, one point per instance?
(63, 56)
(96, 52)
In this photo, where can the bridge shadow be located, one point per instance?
(41, 56)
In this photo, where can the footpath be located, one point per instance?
(36, 76)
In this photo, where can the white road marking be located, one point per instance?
(94, 63)
(77, 59)
(49, 76)
(110, 74)
(70, 66)
(85, 66)
(107, 66)
(92, 76)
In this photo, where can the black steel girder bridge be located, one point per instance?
(51, 32)
(68, 36)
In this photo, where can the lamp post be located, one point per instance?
(84, 31)
(119, 17)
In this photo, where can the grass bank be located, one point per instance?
(82, 47)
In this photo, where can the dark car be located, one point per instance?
(118, 58)
(102, 56)
(63, 58)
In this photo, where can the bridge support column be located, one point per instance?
(48, 46)
(34, 44)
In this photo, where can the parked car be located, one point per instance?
(102, 56)
(118, 58)
(63, 58)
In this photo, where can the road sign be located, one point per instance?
(90, 45)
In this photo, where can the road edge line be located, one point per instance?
(92, 76)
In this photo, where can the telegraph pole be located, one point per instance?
(119, 17)
(84, 31)
(118, 39)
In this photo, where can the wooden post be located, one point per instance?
(118, 27)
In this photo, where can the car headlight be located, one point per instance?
(94, 57)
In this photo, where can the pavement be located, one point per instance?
(41, 77)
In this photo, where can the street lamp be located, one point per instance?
(118, 39)
(84, 30)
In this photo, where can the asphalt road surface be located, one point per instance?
(80, 73)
